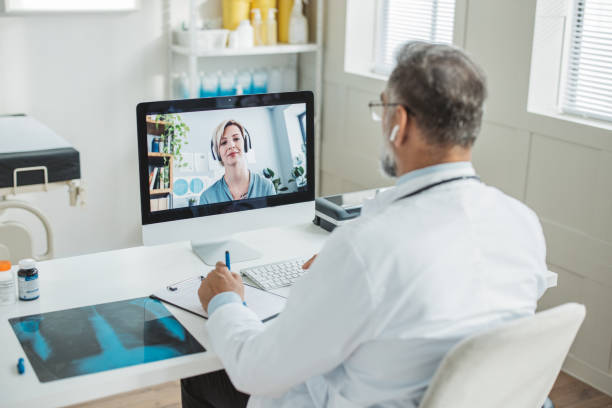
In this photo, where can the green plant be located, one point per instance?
(164, 176)
(269, 174)
(297, 172)
(174, 136)
(297, 175)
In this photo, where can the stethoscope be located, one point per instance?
(427, 187)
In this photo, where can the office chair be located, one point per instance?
(512, 366)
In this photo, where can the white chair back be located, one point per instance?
(512, 366)
(16, 242)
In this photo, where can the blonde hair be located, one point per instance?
(218, 134)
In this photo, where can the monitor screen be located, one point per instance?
(208, 156)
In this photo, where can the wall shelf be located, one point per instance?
(160, 191)
(164, 160)
(258, 50)
(155, 154)
(156, 128)
(306, 59)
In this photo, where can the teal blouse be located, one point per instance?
(259, 186)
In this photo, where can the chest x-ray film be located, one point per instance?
(102, 337)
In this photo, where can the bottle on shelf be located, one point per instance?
(210, 85)
(284, 14)
(245, 80)
(184, 86)
(260, 81)
(258, 38)
(271, 27)
(155, 144)
(233, 40)
(298, 25)
(263, 6)
(246, 35)
(234, 11)
(227, 83)
(201, 84)
(180, 85)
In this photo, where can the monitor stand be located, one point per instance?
(213, 252)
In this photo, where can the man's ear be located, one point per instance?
(403, 122)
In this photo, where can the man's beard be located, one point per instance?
(387, 161)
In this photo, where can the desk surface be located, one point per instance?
(123, 274)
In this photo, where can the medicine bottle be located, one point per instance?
(27, 277)
(7, 284)
(258, 28)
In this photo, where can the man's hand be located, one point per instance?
(217, 281)
(309, 262)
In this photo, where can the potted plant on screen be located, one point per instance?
(298, 174)
(269, 174)
(173, 137)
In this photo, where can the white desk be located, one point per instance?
(124, 274)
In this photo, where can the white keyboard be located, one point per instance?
(276, 275)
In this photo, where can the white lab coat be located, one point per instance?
(387, 297)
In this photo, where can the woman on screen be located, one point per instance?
(229, 145)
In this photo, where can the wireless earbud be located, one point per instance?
(393, 134)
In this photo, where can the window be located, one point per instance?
(588, 76)
(403, 20)
(302, 120)
(47, 6)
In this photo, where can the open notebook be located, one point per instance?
(184, 295)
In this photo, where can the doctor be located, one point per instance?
(439, 257)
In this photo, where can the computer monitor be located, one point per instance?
(212, 167)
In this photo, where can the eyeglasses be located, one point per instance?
(377, 108)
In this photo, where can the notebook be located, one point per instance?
(184, 295)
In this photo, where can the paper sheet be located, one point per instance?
(185, 296)
(201, 163)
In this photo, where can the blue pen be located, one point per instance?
(227, 263)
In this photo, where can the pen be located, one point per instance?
(227, 263)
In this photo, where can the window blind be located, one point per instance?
(404, 20)
(588, 85)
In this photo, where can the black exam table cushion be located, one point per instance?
(62, 164)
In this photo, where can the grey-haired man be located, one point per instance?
(437, 258)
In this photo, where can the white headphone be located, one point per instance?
(393, 134)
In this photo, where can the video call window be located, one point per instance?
(206, 157)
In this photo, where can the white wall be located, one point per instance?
(82, 75)
(560, 169)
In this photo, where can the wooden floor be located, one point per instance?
(567, 392)
(167, 395)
